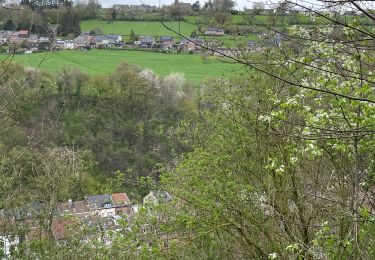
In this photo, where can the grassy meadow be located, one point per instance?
(104, 62)
(139, 28)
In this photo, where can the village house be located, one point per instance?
(111, 40)
(147, 41)
(84, 41)
(5, 35)
(137, 8)
(68, 45)
(58, 44)
(7, 245)
(48, 3)
(212, 31)
(23, 34)
(166, 41)
(33, 38)
(14, 39)
(30, 41)
(44, 39)
(121, 203)
(229, 53)
(102, 205)
(108, 208)
(191, 44)
(33, 41)
(78, 208)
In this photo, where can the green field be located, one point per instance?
(139, 28)
(104, 62)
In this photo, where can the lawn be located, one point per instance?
(139, 28)
(231, 41)
(104, 62)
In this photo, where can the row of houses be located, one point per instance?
(185, 8)
(213, 31)
(108, 208)
(87, 41)
(136, 8)
(18, 37)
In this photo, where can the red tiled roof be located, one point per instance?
(120, 199)
(60, 227)
(23, 32)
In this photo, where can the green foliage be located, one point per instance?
(222, 18)
(124, 120)
(278, 164)
(268, 165)
(9, 25)
(132, 36)
(69, 22)
(124, 127)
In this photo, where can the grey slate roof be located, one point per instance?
(100, 201)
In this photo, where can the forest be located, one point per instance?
(274, 163)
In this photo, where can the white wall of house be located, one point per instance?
(106, 212)
(6, 243)
(69, 45)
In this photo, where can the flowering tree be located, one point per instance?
(283, 160)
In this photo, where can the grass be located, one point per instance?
(139, 28)
(104, 62)
(231, 41)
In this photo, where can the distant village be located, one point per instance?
(106, 209)
(24, 42)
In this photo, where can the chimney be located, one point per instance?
(71, 203)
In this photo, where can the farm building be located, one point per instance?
(214, 32)
(84, 41)
(191, 44)
(23, 34)
(166, 41)
(147, 41)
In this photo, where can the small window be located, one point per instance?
(2, 249)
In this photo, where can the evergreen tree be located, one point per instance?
(9, 25)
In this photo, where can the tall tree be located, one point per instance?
(196, 7)
(258, 7)
(223, 5)
(70, 22)
(282, 161)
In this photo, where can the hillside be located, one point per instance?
(139, 28)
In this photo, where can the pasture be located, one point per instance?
(139, 28)
(104, 62)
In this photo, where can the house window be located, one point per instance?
(107, 204)
(12, 250)
(2, 249)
